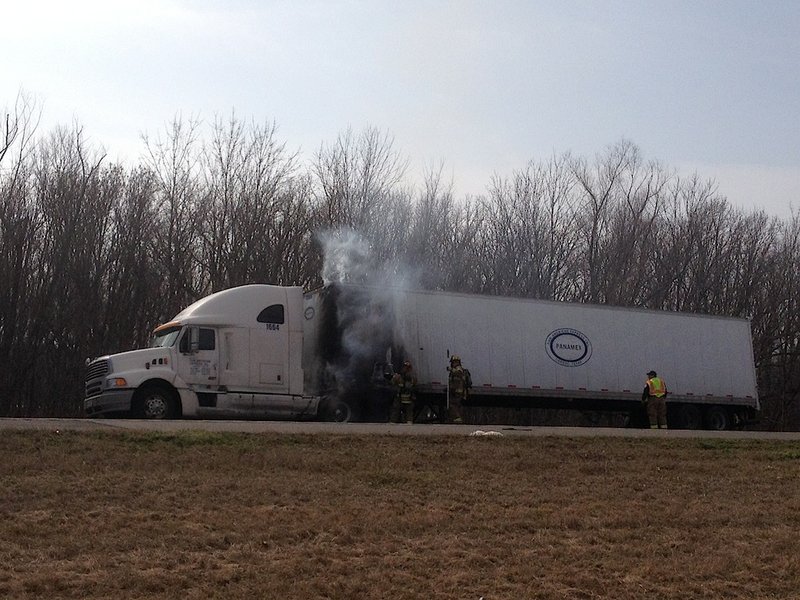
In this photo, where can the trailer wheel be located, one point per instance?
(155, 402)
(718, 418)
(689, 417)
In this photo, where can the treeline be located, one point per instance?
(93, 255)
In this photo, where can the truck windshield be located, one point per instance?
(165, 337)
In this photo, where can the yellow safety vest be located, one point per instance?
(656, 387)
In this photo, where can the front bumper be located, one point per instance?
(110, 401)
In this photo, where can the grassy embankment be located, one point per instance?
(198, 515)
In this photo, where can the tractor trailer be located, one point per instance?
(273, 352)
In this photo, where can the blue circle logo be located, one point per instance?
(568, 347)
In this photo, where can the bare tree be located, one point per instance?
(19, 126)
(132, 302)
(21, 227)
(250, 207)
(778, 347)
(530, 227)
(72, 224)
(431, 227)
(467, 249)
(174, 163)
(357, 176)
(621, 209)
(359, 189)
(598, 184)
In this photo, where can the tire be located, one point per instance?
(718, 418)
(621, 420)
(690, 417)
(155, 403)
(339, 411)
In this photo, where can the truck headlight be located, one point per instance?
(117, 382)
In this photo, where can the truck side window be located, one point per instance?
(272, 314)
(207, 341)
(206, 338)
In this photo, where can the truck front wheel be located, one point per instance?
(155, 402)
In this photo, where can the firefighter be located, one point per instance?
(460, 383)
(654, 396)
(403, 404)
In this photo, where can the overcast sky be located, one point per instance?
(482, 86)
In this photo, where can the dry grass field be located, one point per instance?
(199, 515)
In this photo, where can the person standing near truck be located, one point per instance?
(654, 396)
(403, 404)
(460, 383)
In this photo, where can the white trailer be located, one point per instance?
(535, 353)
(273, 352)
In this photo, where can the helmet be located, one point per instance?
(651, 374)
(407, 364)
(455, 358)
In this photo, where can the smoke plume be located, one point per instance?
(369, 296)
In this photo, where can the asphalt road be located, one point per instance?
(291, 427)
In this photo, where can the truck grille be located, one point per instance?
(94, 377)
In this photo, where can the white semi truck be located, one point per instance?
(271, 352)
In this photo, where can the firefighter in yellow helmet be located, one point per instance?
(459, 383)
(655, 396)
(403, 404)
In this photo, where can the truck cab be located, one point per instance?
(234, 354)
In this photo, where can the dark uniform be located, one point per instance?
(458, 389)
(403, 404)
(655, 396)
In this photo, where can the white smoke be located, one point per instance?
(346, 258)
(371, 294)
